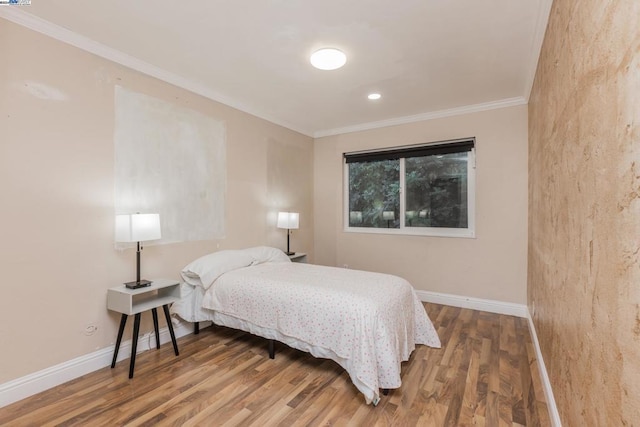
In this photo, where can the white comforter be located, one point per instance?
(367, 322)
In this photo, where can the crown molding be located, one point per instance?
(467, 109)
(542, 20)
(20, 17)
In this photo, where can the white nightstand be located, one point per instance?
(160, 293)
(298, 257)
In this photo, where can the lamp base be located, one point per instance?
(138, 284)
(290, 253)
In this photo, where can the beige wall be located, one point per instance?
(584, 218)
(57, 253)
(491, 266)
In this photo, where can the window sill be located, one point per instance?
(431, 232)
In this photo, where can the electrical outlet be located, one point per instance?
(90, 329)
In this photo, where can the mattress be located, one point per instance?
(369, 323)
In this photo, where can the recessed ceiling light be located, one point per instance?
(328, 59)
(374, 96)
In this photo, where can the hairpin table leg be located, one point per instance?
(154, 312)
(123, 321)
(170, 327)
(134, 345)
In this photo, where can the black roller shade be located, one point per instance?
(411, 151)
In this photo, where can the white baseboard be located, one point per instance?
(554, 415)
(31, 384)
(500, 307)
(492, 306)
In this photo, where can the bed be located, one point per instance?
(369, 323)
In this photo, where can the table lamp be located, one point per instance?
(288, 220)
(137, 228)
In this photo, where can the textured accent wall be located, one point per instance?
(584, 212)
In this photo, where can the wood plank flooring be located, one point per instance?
(485, 374)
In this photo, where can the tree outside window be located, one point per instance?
(425, 189)
(374, 188)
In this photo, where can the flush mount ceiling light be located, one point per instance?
(374, 96)
(328, 59)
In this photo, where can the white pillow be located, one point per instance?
(205, 270)
(262, 254)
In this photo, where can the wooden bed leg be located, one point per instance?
(385, 391)
(196, 328)
(272, 349)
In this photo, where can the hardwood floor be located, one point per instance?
(485, 374)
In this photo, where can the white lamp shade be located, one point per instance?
(288, 220)
(388, 215)
(137, 227)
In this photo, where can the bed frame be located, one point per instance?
(272, 348)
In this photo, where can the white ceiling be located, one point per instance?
(428, 58)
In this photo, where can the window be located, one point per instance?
(423, 189)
